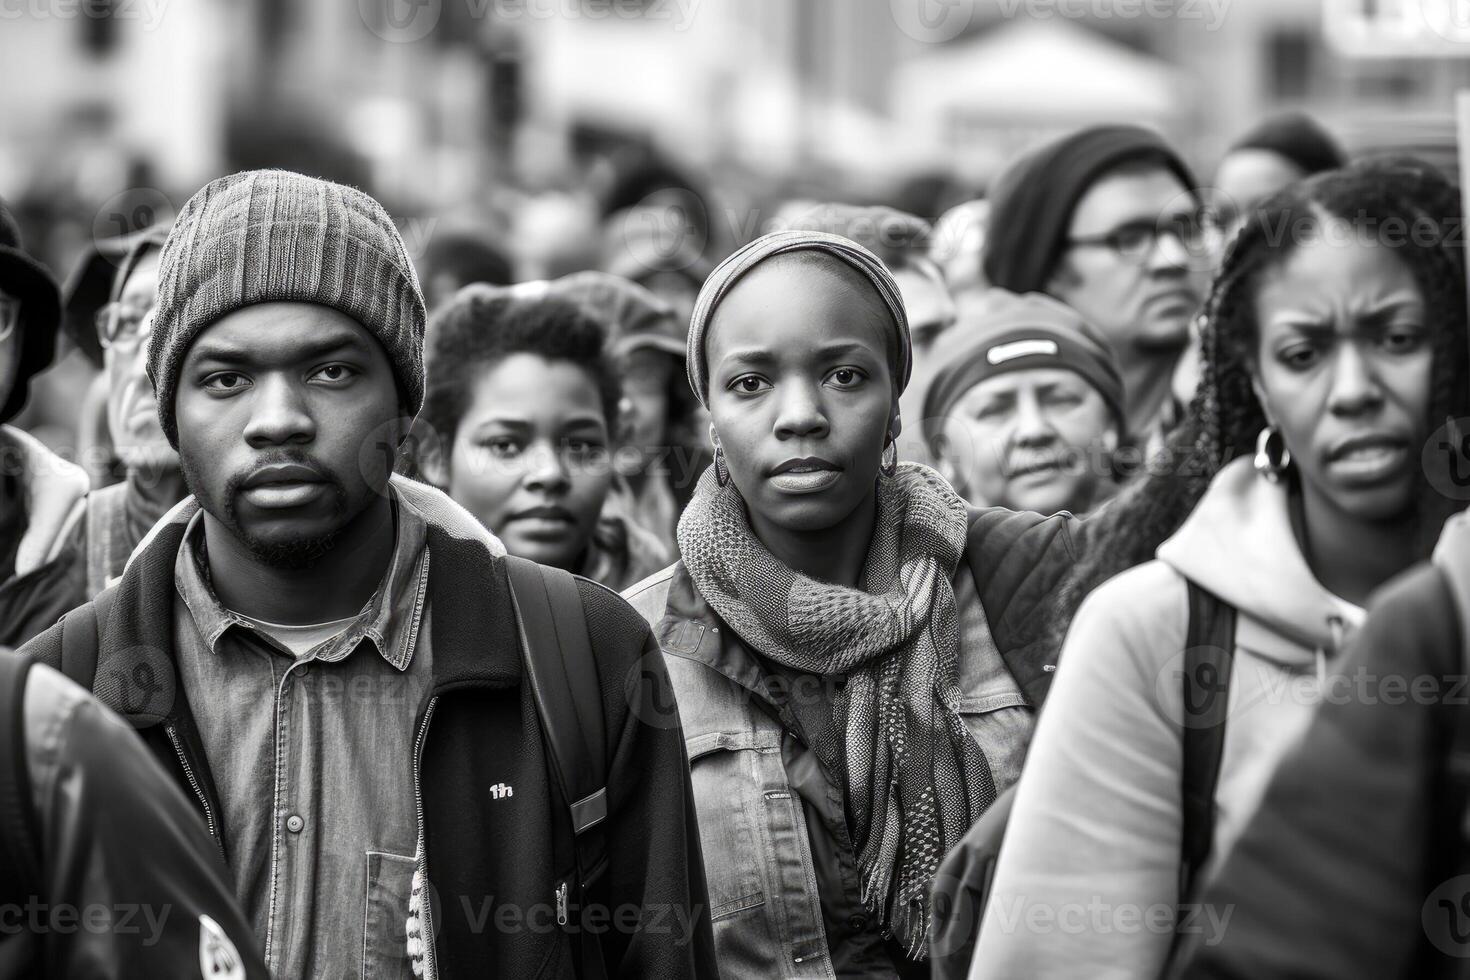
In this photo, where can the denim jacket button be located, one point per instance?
(857, 923)
(294, 823)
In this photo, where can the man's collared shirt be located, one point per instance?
(312, 757)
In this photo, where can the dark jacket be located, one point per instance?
(1353, 866)
(42, 574)
(494, 870)
(124, 881)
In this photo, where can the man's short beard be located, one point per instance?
(297, 554)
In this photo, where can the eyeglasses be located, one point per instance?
(119, 322)
(1199, 234)
(9, 315)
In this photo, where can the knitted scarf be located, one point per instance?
(915, 780)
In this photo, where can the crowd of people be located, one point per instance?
(1016, 595)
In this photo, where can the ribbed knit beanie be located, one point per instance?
(1021, 333)
(265, 236)
(1033, 198)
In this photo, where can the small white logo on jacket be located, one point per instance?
(500, 791)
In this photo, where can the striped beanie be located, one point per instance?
(1021, 333)
(265, 236)
(730, 271)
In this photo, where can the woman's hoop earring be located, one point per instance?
(889, 466)
(1273, 468)
(722, 471)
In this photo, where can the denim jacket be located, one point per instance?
(757, 788)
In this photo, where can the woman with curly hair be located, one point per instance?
(522, 398)
(1299, 483)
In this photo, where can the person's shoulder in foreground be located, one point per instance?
(1314, 895)
(126, 882)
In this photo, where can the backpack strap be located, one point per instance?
(1209, 655)
(81, 639)
(20, 874)
(564, 682)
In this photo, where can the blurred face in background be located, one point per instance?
(1246, 178)
(647, 375)
(675, 288)
(1138, 261)
(931, 311)
(531, 458)
(1030, 440)
(132, 414)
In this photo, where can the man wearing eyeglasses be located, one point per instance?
(116, 517)
(40, 576)
(1108, 220)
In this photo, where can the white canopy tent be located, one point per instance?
(986, 98)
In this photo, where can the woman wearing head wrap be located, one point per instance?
(852, 694)
(1304, 477)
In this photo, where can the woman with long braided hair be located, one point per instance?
(1305, 475)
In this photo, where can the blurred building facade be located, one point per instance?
(429, 102)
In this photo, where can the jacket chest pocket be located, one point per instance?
(757, 861)
(1002, 725)
(730, 771)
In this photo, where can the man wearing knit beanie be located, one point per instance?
(1107, 220)
(1028, 408)
(293, 627)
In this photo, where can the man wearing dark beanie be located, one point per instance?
(1107, 220)
(328, 658)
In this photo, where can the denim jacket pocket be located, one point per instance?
(1002, 725)
(722, 767)
(757, 865)
(385, 917)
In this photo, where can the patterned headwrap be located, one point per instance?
(730, 272)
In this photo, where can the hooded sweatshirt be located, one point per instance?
(1088, 876)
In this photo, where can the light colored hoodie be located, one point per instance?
(1088, 876)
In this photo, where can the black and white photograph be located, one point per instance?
(734, 490)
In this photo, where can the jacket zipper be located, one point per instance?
(561, 904)
(426, 917)
(173, 737)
